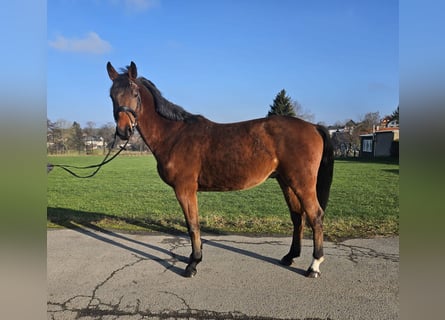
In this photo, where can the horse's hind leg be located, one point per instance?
(315, 218)
(297, 216)
(313, 213)
(189, 204)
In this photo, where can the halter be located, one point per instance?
(127, 110)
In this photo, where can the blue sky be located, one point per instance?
(226, 59)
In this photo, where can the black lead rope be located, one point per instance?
(98, 166)
(105, 160)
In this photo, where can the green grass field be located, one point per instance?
(127, 194)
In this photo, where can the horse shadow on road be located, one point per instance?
(84, 223)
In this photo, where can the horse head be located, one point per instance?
(126, 99)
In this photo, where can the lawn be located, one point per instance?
(127, 194)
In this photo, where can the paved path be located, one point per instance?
(97, 275)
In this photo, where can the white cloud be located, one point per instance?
(91, 43)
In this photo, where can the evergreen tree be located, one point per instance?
(395, 115)
(75, 140)
(282, 105)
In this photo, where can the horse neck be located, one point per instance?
(155, 129)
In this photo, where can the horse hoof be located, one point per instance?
(190, 272)
(312, 273)
(286, 261)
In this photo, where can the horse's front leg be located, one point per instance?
(189, 204)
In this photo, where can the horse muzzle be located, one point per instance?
(126, 129)
(124, 133)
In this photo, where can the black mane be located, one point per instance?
(166, 108)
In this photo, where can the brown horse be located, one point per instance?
(195, 154)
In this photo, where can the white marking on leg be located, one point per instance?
(315, 266)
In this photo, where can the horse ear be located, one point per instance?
(132, 71)
(112, 73)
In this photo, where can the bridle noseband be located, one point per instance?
(127, 110)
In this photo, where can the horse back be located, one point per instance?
(241, 155)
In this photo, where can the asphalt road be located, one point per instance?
(107, 275)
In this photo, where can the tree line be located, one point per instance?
(64, 136)
(67, 137)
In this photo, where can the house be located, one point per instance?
(348, 128)
(93, 143)
(393, 124)
(382, 143)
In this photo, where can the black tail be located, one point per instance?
(326, 169)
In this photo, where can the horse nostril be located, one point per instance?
(123, 133)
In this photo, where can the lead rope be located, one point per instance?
(98, 166)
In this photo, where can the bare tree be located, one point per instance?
(368, 122)
(90, 128)
(107, 133)
(301, 112)
(57, 135)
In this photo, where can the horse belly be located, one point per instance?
(232, 175)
